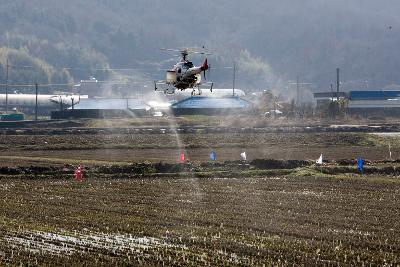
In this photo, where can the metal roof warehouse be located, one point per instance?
(366, 103)
(104, 108)
(373, 95)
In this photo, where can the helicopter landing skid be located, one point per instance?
(198, 92)
(211, 84)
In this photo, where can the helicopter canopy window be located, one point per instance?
(187, 65)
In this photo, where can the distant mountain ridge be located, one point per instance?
(271, 42)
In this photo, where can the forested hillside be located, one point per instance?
(59, 41)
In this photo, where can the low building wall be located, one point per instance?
(207, 111)
(98, 113)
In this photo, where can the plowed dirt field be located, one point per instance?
(138, 205)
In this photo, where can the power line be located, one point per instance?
(104, 69)
(33, 85)
(80, 68)
(337, 83)
(72, 84)
(7, 87)
(36, 106)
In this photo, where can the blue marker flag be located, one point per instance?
(360, 165)
(213, 156)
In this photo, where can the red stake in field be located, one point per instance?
(78, 174)
(182, 157)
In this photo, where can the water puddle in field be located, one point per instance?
(395, 134)
(349, 232)
(115, 244)
(84, 242)
(304, 192)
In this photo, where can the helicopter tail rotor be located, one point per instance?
(205, 67)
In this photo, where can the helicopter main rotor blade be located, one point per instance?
(169, 49)
(201, 53)
(186, 50)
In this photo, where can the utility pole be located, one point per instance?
(234, 78)
(332, 92)
(337, 84)
(7, 86)
(297, 90)
(36, 105)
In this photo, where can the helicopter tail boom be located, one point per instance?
(196, 70)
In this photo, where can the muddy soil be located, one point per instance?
(138, 205)
(237, 221)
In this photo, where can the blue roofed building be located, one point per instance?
(374, 102)
(366, 103)
(373, 95)
(199, 105)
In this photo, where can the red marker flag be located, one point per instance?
(78, 173)
(182, 157)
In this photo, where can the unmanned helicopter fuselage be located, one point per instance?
(184, 74)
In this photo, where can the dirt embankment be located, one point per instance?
(161, 167)
(255, 167)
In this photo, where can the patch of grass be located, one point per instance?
(384, 140)
(308, 171)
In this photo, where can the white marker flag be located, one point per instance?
(319, 161)
(243, 156)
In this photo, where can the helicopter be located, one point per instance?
(184, 74)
